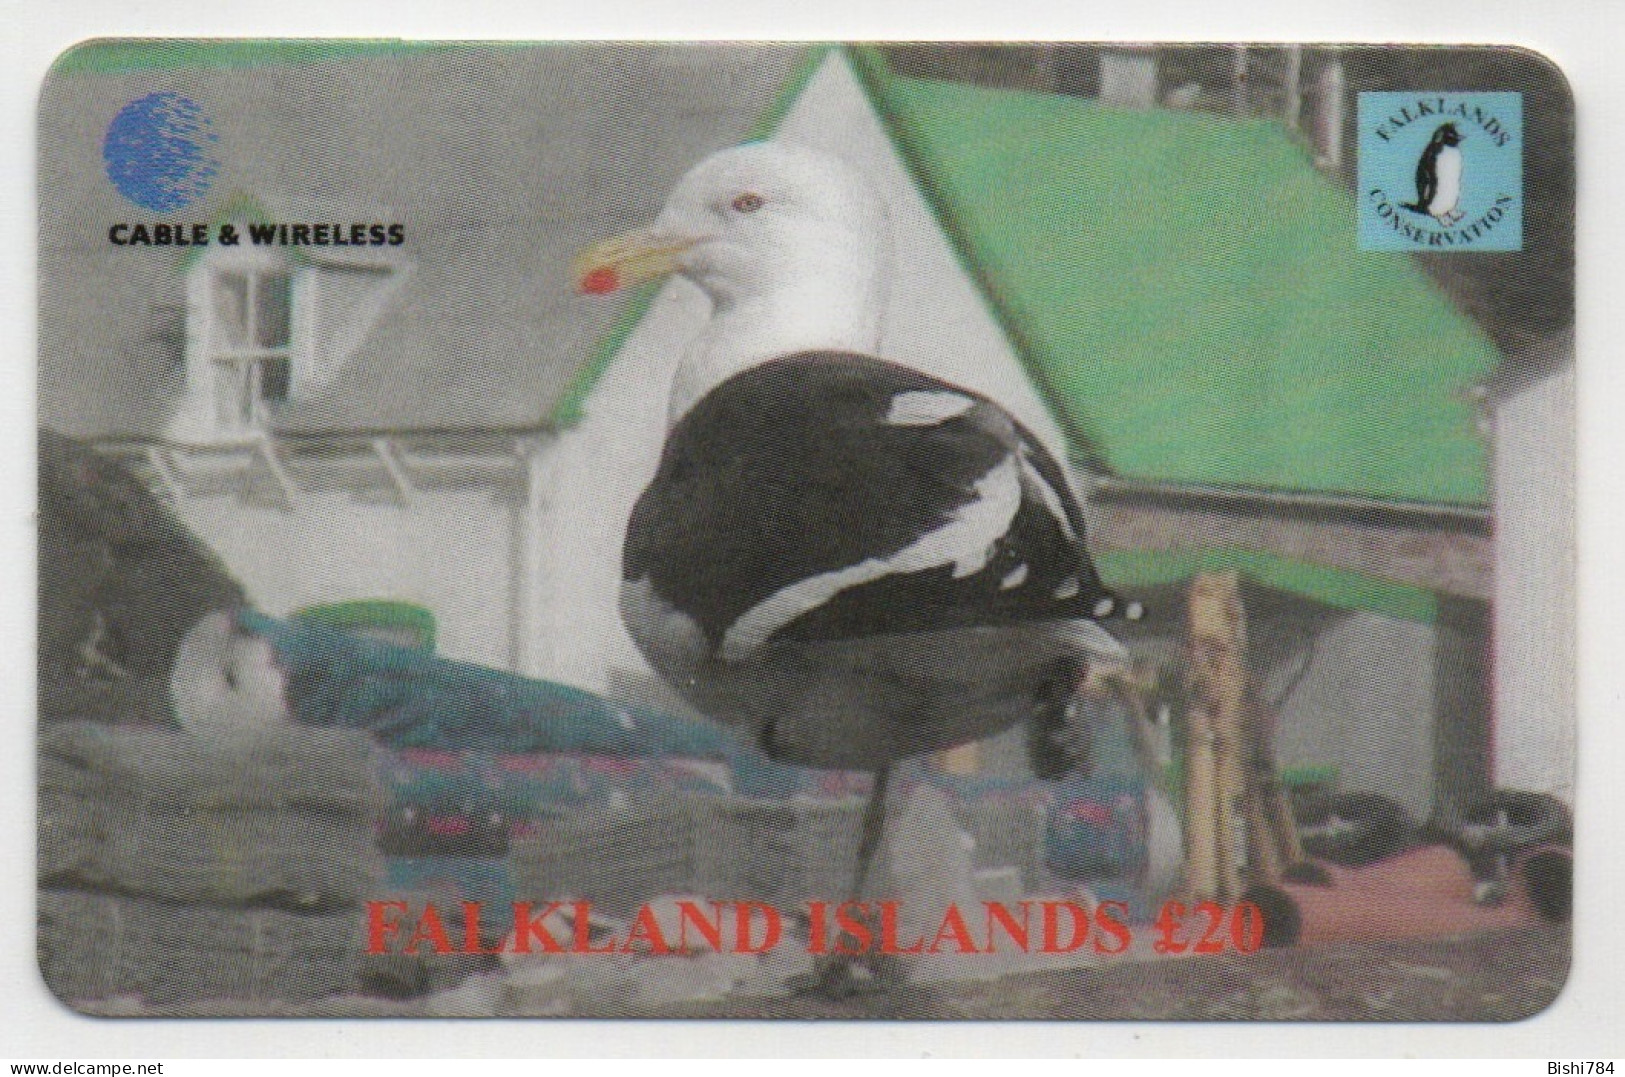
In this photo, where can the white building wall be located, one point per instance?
(1366, 706)
(936, 318)
(451, 552)
(936, 321)
(1535, 714)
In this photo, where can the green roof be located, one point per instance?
(113, 56)
(1186, 290)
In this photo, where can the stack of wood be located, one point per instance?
(616, 855)
(1236, 814)
(177, 870)
(732, 848)
(783, 852)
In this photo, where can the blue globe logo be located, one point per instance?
(157, 152)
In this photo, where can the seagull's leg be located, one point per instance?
(874, 824)
(832, 975)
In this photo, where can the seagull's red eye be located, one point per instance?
(749, 202)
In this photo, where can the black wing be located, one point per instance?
(787, 489)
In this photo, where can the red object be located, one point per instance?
(1423, 893)
(448, 825)
(600, 281)
(1090, 812)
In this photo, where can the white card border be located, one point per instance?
(1578, 36)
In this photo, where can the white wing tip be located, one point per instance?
(927, 407)
(1107, 606)
(1090, 637)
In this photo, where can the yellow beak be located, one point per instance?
(625, 260)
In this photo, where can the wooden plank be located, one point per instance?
(1218, 682)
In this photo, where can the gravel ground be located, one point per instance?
(1491, 976)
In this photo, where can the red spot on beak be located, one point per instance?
(600, 281)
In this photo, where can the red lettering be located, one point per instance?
(1247, 927)
(1244, 924)
(1110, 926)
(998, 913)
(378, 927)
(1167, 926)
(888, 932)
(817, 927)
(1052, 926)
(744, 914)
(471, 927)
(851, 919)
(953, 924)
(429, 929)
(1211, 941)
(526, 926)
(582, 914)
(710, 930)
(646, 930)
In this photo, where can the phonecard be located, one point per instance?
(734, 530)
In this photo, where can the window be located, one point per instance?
(269, 327)
(250, 343)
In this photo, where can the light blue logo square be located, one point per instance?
(1440, 172)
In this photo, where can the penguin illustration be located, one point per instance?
(1438, 177)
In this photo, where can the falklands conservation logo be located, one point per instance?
(1441, 171)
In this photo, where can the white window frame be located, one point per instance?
(238, 372)
(226, 399)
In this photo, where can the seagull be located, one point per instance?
(846, 560)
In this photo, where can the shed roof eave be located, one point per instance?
(360, 439)
(1471, 519)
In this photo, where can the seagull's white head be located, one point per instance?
(790, 244)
